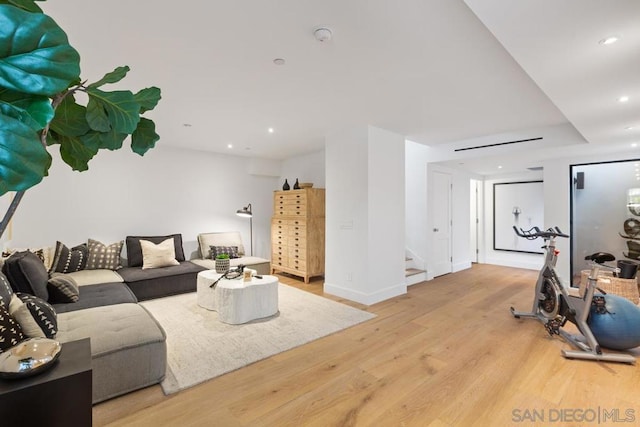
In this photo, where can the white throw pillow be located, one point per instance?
(161, 255)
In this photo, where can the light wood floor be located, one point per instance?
(448, 353)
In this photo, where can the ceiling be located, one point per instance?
(444, 73)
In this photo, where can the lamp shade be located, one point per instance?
(245, 212)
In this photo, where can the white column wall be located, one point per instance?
(365, 215)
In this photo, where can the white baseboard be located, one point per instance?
(461, 266)
(365, 298)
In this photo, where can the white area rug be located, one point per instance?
(200, 347)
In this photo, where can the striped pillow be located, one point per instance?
(62, 288)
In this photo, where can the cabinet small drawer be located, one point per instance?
(297, 242)
(298, 264)
(282, 261)
(297, 231)
(297, 254)
(279, 239)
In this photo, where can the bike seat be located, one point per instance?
(600, 257)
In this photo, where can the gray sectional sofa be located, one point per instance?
(128, 346)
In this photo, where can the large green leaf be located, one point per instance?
(121, 107)
(144, 138)
(97, 116)
(112, 77)
(28, 5)
(148, 98)
(70, 118)
(76, 153)
(23, 159)
(110, 140)
(35, 111)
(35, 55)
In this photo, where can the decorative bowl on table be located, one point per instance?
(29, 357)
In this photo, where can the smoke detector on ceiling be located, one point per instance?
(322, 34)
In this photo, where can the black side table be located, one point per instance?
(60, 396)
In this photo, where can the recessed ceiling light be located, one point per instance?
(629, 128)
(623, 98)
(609, 40)
(634, 145)
(279, 61)
(271, 130)
(229, 145)
(499, 167)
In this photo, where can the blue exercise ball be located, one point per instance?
(617, 324)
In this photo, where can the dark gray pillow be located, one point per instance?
(5, 292)
(27, 274)
(134, 250)
(67, 260)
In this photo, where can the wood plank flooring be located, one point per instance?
(448, 353)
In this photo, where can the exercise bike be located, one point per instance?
(554, 304)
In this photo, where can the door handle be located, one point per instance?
(435, 230)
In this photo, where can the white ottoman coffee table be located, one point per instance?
(237, 301)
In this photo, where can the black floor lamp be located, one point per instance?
(246, 213)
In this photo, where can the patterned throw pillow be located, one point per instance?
(43, 253)
(5, 292)
(67, 260)
(232, 251)
(10, 330)
(62, 289)
(102, 256)
(36, 317)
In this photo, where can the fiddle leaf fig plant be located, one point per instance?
(40, 86)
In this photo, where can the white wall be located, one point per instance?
(365, 215)
(167, 191)
(307, 168)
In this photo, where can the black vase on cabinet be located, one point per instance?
(286, 186)
(296, 186)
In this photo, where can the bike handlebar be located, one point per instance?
(535, 232)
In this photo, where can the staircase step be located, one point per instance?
(412, 272)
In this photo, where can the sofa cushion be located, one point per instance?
(134, 251)
(62, 288)
(128, 347)
(261, 265)
(26, 273)
(67, 260)
(94, 277)
(154, 255)
(103, 256)
(227, 238)
(99, 295)
(10, 330)
(36, 317)
(163, 281)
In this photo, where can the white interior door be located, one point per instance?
(441, 211)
